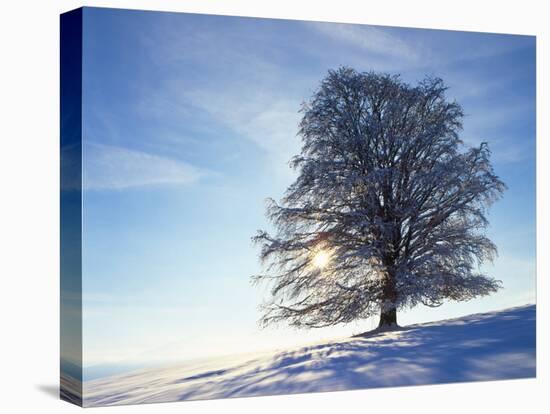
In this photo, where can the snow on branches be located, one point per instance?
(388, 199)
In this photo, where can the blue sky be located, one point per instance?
(188, 124)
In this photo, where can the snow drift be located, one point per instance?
(481, 347)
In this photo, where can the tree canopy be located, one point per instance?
(388, 209)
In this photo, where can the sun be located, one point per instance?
(321, 259)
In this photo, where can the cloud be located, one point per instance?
(270, 122)
(108, 167)
(222, 82)
(370, 39)
(494, 123)
(398, 49)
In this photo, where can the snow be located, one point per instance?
(481, 347)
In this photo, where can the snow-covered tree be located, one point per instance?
(388, 210)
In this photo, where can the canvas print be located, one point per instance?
(257, 207)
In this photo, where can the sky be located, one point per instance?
(189, 122)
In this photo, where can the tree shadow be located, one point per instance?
(483, 347)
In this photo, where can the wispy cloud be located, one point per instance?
(108, 167)
(404, 50)
(493, 123)
(252, 98)
(370, 39)
(269, 122)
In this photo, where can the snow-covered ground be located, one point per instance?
(489, 346)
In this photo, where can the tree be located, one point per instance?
(388, 210)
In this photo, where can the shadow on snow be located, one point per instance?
(491, 346)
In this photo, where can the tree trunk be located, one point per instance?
(388, 318)
(388, 313)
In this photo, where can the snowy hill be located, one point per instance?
(489, 346)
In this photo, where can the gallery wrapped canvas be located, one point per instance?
(262, 207)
